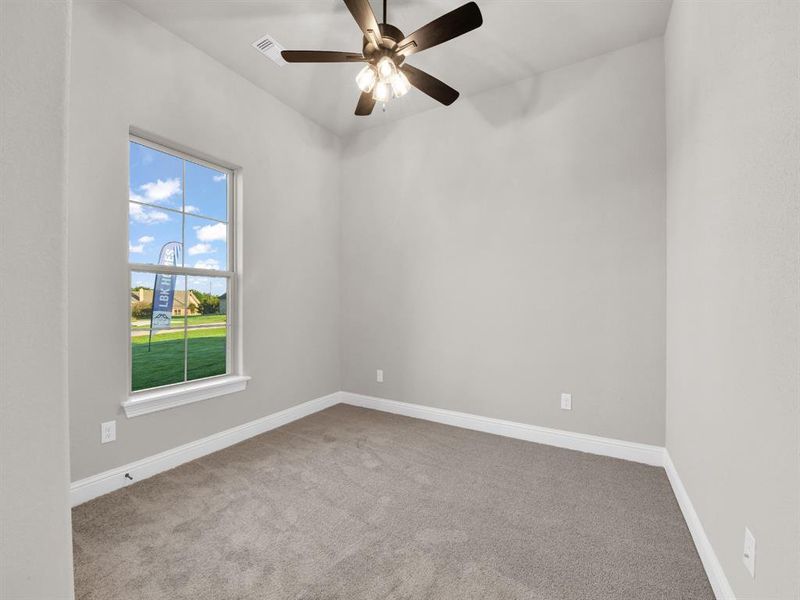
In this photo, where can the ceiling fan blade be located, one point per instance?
(362, 13)
(320, 56)
(451, 25)
(438, 90)
(365, 104)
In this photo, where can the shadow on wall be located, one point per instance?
(536, 95)
(504, 106)
(513, 104)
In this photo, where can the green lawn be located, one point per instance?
(178, 321)
(163, 363)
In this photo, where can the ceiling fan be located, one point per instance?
(385, 49)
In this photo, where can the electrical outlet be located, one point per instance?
(379, 376)
(108, 432)
(566, 401)
(749, 552)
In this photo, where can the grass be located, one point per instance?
(164, 362)
(178, 321)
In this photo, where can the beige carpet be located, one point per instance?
(351, 503)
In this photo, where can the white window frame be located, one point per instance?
(185, 392)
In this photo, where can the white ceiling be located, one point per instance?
(518, 39)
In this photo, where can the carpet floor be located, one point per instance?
(355, 504)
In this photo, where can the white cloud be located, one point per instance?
(208, 263)
(191, 209)
(140, 214)
(146, 239)
(201, 249)
(198, 283)
(212, 233)
(157, 191)
(220, 177)
(135, 249)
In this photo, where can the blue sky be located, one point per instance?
(161, 200)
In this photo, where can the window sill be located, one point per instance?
(148, 402)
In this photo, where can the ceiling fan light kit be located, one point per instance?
(385, 49)
(384, 81)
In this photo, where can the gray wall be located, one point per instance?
(733, 280)
(35, 532)
(127, 71)
(512, 247)
(492, 255)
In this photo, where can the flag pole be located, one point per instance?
(152, 302)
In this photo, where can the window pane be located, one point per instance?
(157, 357)
(155, 177)
(207, 348)
(206, 192)
(159, 301)
(155, 184)
(210, 296)
(206, 243)
(152, 233)
(142, 285)
(207, 337)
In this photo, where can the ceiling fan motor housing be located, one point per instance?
(390, 37)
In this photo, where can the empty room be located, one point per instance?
(400, 299)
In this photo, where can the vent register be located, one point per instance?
(270, 48)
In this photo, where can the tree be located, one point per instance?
(209, 305)
(141, 310)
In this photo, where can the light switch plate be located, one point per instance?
(566, 401)
(749, 552)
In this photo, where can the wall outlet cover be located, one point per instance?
(379, 376)
(108, 432)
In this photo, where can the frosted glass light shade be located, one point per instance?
(400, 84)
(383, 91)
(386, 68)
(366, 78)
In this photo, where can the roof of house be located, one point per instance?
(144, 295)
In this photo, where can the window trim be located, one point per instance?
(176, 394)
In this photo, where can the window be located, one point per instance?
(181, 263)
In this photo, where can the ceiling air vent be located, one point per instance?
(270, 48)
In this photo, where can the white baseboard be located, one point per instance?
(641, 453)
(114, 479)
(716, 576)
